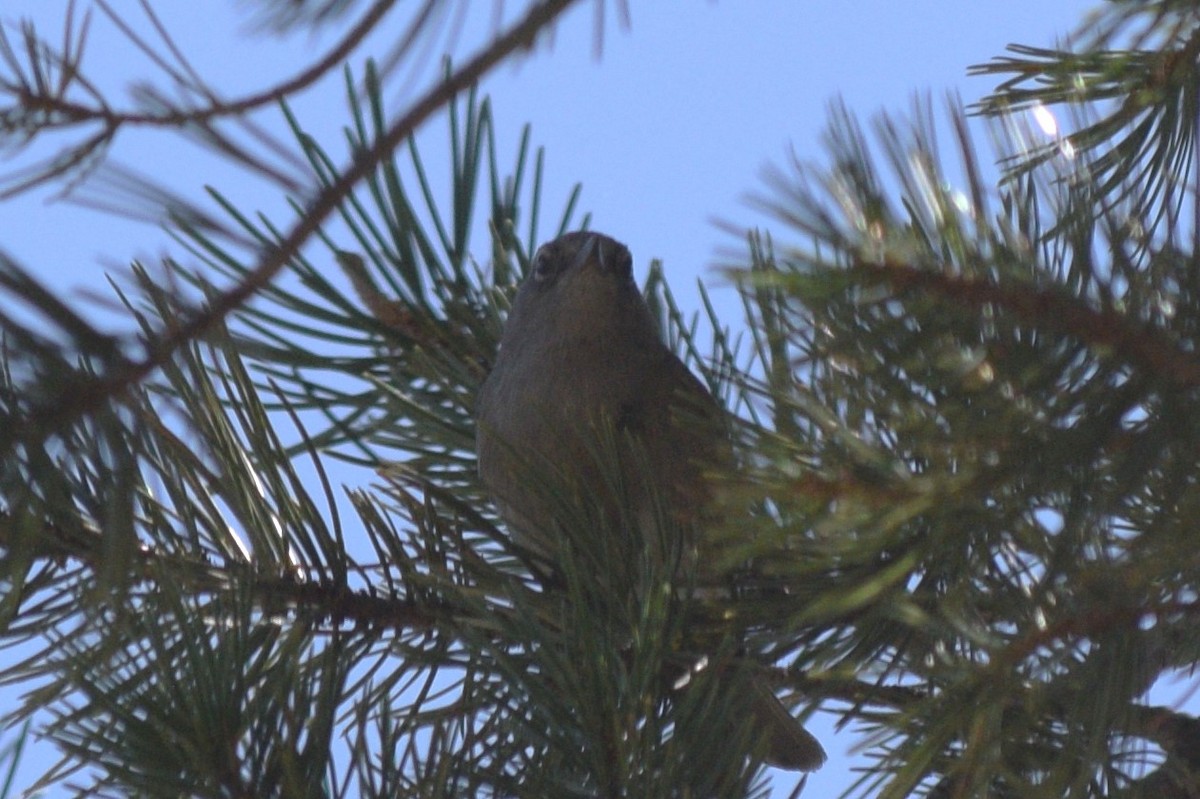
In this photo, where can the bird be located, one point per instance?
(581, 370)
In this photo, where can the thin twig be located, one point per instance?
(221, 108)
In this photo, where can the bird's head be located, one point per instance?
(580, 288)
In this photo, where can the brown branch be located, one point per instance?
(1088, 623)
(854, 692)
(1140, 346)
(338, 603)
(273, 260)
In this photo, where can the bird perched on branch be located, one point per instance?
(583, 381)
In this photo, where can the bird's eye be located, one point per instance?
(543, 265)
(624, 263)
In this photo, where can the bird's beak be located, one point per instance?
(585, 252)
(601, 253)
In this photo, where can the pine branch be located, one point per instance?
(338, 604)
(1132, 96)
(162, 344)
(1050, 308)
(327, 201)
(963, 525)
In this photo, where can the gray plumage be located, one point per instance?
(581, 363)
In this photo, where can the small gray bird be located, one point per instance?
(581, 357)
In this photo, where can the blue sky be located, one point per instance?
(668, 129)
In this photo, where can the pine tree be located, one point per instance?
(962, 411)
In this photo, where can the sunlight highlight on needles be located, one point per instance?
(1046, 120)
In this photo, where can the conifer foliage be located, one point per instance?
(245, 548)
